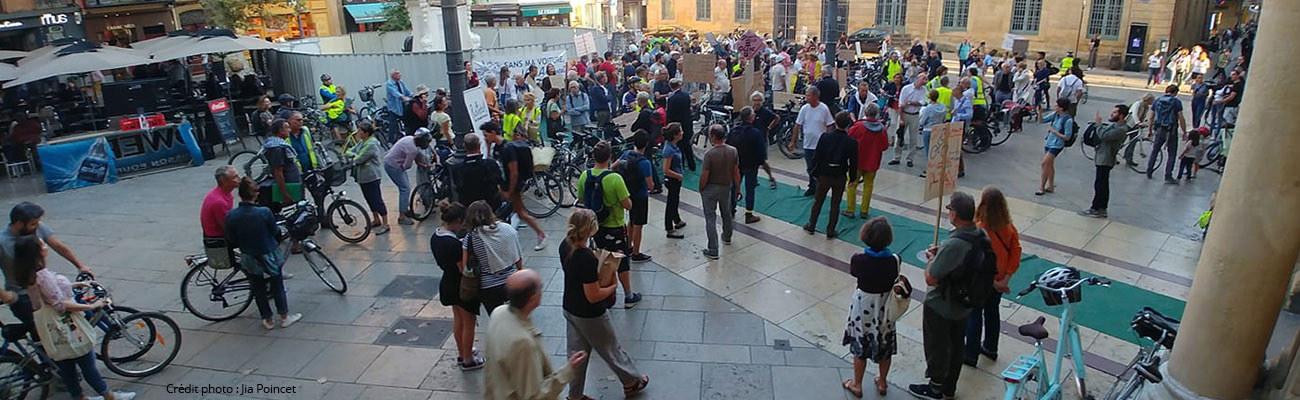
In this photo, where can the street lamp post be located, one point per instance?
(460, 121)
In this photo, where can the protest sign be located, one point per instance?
(945, 155)
(750, 45)
(490, 65)
(586, 44)
(697, 68)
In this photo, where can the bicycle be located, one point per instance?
(1058, 286)
(1138, 149)
(227, 288)
(981, 139)
(1161, 331)
(784, 131)
(128, 341)
(1216, 155)
(426, 195)
(254, 165)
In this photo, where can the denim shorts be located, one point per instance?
(1054, 152)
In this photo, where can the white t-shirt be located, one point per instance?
(813, 122)
(721, 82)
(1069, 88)
(912, 93)
(778, 77)
(1153, 61)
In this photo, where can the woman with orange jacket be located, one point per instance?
(994, 217)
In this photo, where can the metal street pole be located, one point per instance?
(830, 36)
(460, 122)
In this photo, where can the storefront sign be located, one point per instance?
(123, 26)
(11, 24)
(220, 109)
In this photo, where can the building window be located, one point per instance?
(703, 10)
(955, 14)
(1105, 18)
(1025, 15)
(842, 19)
(666, 9)
(891, 13)
(744, 10)
(787, 12)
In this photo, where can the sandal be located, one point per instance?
(773, 184)
(640, 385)
(1050, 189)
(1039, 193)
(848, 385)
(881, 386)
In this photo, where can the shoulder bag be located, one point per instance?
(901, 297)
(65, 335)
(469, 281)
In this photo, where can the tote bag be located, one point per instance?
(900, 298)
(64, 335)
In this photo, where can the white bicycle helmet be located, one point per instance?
(1059, 277)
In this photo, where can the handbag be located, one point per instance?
(901, 296)
(64, 335)
(469, 280)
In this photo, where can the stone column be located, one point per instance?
(1245, 267)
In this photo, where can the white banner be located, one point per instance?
(491, 65)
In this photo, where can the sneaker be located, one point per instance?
(922, 174)
(961, 174)
(630, 301)
(1171, 181)
(640, 257)
(404, 220)
(382, 229)
(268, 324)
(810, 229)
(831, 234)
(992, 355)
(286, 275)
(475, 362)
(541, 244)
(679, 225)
(116, 396)
(673, 234)
(925, 391)
(893, 162)
(726, 241)
(848, 214)
(712, 255)
(972, 362)
(751, 218)
(288, 320)
(909, 163)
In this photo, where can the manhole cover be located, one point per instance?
(414, 332)
(411, 287)
(781, 344)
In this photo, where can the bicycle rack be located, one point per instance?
(1020, 369)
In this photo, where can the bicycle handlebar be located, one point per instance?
(1092, 281)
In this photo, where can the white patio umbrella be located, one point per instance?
(8, 71)
(208, 45)
(78, 58)
(11, 54)
(148, 45)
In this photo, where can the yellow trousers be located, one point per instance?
(868, 182)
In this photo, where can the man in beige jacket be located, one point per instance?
(517, 366)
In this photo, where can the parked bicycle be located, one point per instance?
(1160, 331)
(437, 187)
(784, 131)
(1135, 151)
(225, 287)
(253, 162)
(1058, 286)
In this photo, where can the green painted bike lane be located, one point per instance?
(1107, 310)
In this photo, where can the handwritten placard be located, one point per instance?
(698, 68)
(750, 45)
(943, 164)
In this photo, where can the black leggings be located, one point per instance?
(672, 214)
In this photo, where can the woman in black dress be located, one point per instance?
(869, 332)
(446, 247)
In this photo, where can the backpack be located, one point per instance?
(1074, 134)
(1164, 109)
(972, 285)
(593, 194)
(1090, 136)
(630, 169)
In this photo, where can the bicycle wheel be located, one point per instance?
(1089, 152)
(1212, 153)
(783, 141)
(542, 195)
(325, 269)
(21, 379)
(152, 338)
(348, 220)
(226, 293)
(1001, 135)
(1143, 151)
(251, 163)
(972, 143)
(107, 324)
(423, 201)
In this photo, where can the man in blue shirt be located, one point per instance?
(638, 175)
(397, 96)
(963, 110)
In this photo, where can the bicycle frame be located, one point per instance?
(1050, 385)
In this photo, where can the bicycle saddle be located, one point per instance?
(13, 332)
(1034, 329)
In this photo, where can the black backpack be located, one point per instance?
(972, 285)
(1074, 134)
(630, 169)
(1090, 136)
(593, 194)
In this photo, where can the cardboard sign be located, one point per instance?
(742, 87)
(847, 54)
(624, 123)
(944, 158)
(783, 100)
(557, 82)
(750, 45)
(586, 43)
(1009, 41)
(697, 68)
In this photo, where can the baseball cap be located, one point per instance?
(284, 97)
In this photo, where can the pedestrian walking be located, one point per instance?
(493, 246)
(407, 151)
(585, 302)
(364, 157)
(1166, 115)
(477, 178)
(447, 252)
(719, 180)
(519, 366)
(838, 159)
(750, 145)
(614, 199)
(1110, 138)
(1070, 87)
(1200, 94)
(765, 120)
(872, 141)
(944, 318)
(1059, 130)
(994, 217)
(1092, 51)
(870, 333)
(814, 119)
(910, 100)
(1154, 62)
(1042, 82)
(251, 229)
(672, 169)
(516, 158)
(638, 176)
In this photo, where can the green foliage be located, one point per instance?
(237, 14)
(398, 18)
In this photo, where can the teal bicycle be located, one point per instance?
(1059, 286)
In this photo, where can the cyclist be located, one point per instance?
(338, 112)
(304, 147)
(328, 92)
(25, 220)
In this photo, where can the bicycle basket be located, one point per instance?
(542, 158)
(336, 174)
(366, 95)
(1054, 297)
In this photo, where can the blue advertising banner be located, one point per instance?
(146, 149)
(78, 164)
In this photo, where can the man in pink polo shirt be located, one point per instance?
(218, 202)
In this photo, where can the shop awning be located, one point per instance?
(367, 12)
(545, 9)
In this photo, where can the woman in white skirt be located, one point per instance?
(869, 333)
